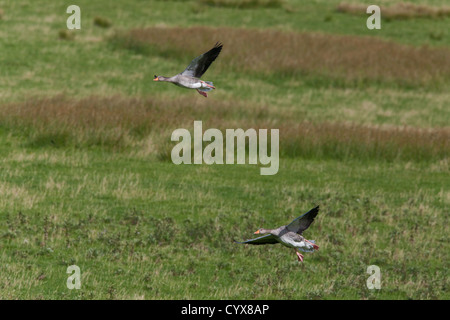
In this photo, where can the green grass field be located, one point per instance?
(86, 177)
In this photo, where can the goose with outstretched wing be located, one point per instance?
(289, 235)
(190, 77)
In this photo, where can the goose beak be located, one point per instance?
(256, 232)
(155, 79)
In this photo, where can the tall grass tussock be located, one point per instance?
(349, 59)
(102, 22)
(122, 123)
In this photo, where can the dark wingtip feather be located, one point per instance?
(314, 211)
(218, 46)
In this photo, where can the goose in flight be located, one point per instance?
(290, 235)
(190, 77)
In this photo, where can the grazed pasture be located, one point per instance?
(86, 176)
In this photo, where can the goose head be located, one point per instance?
(161, 78)
(262, 231)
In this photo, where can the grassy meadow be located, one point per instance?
(86, 177)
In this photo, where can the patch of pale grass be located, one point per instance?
(14, 197)
(54, 184)
(52, 158)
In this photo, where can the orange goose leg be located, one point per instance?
(299, 255)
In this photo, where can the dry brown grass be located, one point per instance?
(124, 123)
(270, 52)
(402, 10)
(345, 140)
(244, 4)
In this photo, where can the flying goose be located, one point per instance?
(190, 77)
(290, 235)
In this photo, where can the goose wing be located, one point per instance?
(302, 223)
(199, 65)
(267, 239)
